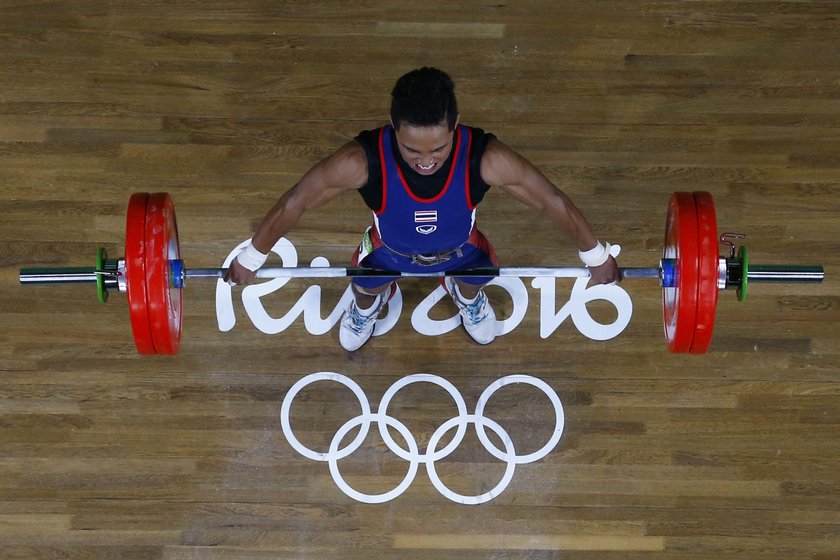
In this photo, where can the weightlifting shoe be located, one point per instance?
(477, 316)
(357, 326)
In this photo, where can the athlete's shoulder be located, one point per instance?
(478, 134)
(479, 140)
(348, 166)
(369, 139)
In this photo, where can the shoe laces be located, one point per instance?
(477, 310)
(358, 322)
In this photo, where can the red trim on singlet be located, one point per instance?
(457, 139)
(384, 173)
(467, 186)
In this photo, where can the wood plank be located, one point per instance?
(224, 104)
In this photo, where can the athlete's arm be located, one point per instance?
(503, 167)
(344, 170)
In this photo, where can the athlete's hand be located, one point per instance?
(243, 268)
(238, 274)
(606, 273)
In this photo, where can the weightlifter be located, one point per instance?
(423, 176)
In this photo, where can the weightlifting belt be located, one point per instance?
(424, 259)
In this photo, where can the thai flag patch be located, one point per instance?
(422, 216)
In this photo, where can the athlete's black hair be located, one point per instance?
(424, 97)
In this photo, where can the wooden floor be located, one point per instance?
(225, 103)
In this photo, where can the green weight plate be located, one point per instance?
(741, 290)
(101, 291)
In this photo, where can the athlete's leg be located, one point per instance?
(370, 295)
(366, 296)
(467, 292)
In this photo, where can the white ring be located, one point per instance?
(287, 405)
(558, 413)
(373, 498)
(493, 492)
(440, 382)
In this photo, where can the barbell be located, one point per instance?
(691, 272)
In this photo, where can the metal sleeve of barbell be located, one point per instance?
(78, 275)
(769, 273)
(341, 272)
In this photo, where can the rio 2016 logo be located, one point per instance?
(309, 304)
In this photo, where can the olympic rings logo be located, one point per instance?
(413, 454)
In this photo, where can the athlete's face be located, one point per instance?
(425, 148)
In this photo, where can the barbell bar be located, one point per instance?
(180, 274)
(92, 275)
(690, 272)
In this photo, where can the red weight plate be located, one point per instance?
(679, 303)
(707, 272)
(164, 300)
(135, 272)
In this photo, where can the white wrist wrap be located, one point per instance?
(595, 256)
(251, 258)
